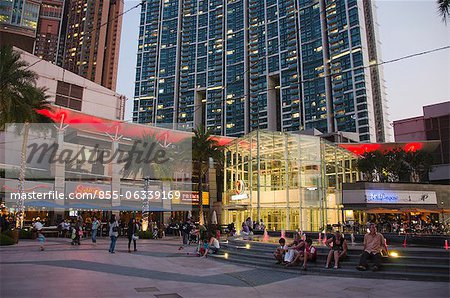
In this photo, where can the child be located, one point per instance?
(280, 251)
(41, 239)
(310, 253)
(202, 251)
(38, 226)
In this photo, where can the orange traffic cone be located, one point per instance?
(404, 242)
(283, 234)
(266, 236)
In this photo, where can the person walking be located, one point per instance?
(95, 224)
(38, 226)
(77, 232)
(133, 229)
(185, 231)
(113, 233)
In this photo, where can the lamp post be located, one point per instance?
(145, 205)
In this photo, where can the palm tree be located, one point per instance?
(444, 9)
(20, 101)
(137, 165)
(204, 147)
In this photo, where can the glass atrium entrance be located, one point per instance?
(288, 181)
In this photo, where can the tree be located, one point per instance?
(444, 9)
(395, 165)
(20, 101)
(140, 164)
(373, 165)
(421, 164)
(204, 147)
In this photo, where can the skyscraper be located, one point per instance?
(48, 44)
(18, 23)
(92, 40)
(237, 66)
(82, 36)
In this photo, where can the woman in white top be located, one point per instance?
(113, 233)
(213, 245)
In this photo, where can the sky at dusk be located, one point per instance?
(405, 27)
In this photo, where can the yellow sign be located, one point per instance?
(193, 196)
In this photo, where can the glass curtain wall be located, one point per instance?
(287, 181)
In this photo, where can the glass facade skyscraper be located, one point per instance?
(282, 65)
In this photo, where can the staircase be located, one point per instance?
(412, 263)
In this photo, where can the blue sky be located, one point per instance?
(405, 27)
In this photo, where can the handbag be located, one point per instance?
(135, 237)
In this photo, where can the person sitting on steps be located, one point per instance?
(374, 245)
(338, 249)
(309, 254)
(280, 251)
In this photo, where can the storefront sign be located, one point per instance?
(400, 197)
(239, 197)
(76, 190)
(193, 197)
(239, 187)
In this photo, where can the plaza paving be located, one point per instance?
(159, 269)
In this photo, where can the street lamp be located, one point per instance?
(145, 205)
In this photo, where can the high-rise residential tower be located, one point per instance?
(18, 23)
(48, 44)
(237, 66)
(92, 40)
(82, 36)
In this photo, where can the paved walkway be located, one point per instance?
(159, 269)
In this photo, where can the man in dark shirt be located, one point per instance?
(185, 230)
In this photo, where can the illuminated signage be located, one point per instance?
(87, 189)
(239, 197)
(239, 187)
(374, 196)
(193, 197)
(382, 198)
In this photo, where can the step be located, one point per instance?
(408, 251)
(423, 257)
(352, 262)
(324, 254)
(343, 272)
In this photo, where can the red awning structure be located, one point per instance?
(130, 130)
(359, 149)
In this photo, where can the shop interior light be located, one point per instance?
(393, 254)
(247, 246)
(226, 255)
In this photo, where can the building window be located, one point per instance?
(69, 95)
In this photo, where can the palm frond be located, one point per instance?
(444, 9)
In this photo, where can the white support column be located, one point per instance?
(286, 178)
